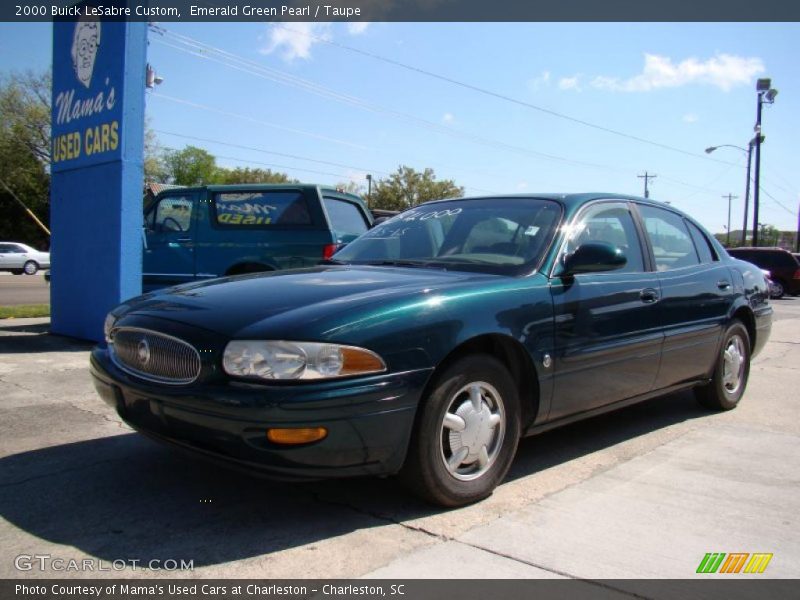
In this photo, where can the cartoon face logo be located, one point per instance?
(85, 42)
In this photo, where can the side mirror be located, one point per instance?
(594, 257)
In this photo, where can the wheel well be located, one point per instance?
(514, 356)
(746, 317)
(248, 267)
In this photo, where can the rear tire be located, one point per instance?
(30, 267)
(731, 371)
(779, 289)
(466, 433)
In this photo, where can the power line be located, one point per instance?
(228, 59)
(258, 121)
(225, 58)
(500, 96)
(505, 97)
(294, 156)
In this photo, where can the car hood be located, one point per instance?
(240, 304)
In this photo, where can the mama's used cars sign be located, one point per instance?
(87, 97)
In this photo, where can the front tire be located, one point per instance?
(731, 371)
(30, 268)
(779, 290)
(466, 433)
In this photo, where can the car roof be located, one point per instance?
(266, 187)
(572, 200)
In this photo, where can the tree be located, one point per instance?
(248, 175)
(191, 166)
(351, 187)
(407, 187)
(155, 168)
(24, 156)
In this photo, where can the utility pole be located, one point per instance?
(797, 237)
(766, 95)
(369, 189)
(730, 197)
(646, 177)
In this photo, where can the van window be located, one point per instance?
(345, 217)
(261, 209)
(173, 213)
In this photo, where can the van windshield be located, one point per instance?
(492, 235)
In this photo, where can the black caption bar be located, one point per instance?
(408, 589)
(407, 10)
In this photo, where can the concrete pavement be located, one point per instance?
(643, 492)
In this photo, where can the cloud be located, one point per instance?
(522, 185)
(690, 118)
(295, 40)
(570, 83)
(543, 80)
(723, 71)
(448, 118)
(357, 27)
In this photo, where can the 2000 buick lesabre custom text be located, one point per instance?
(431, 343)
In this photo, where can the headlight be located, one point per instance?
(297, 360)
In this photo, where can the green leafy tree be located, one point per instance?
(24, 156)
(407, 187)
(191, 166)
(248, 175)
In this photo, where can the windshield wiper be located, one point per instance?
(395, 263)
(332, 261)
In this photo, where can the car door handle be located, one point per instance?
(648, 295)
(723, 284)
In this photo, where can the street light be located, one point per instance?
(766, 95)
(749, 153)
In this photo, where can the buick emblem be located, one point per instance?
(143, 352)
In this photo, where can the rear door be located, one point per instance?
(6, 257)
(607, 333)
(696, 295)
(170, 230)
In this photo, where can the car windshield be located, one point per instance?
(491, 235)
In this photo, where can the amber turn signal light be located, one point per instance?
(296, 435)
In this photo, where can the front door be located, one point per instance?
(170, 230)
(607, 333)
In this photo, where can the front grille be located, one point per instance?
(154, 356)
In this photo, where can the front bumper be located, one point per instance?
(369, 419)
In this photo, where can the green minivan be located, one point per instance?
(212, 231)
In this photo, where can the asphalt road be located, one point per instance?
(23, 289)
(641, 493)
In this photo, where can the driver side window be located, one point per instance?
(174, 213)
(612, 223)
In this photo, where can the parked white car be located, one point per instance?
(21, 258)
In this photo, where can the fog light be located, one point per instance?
(296, 435)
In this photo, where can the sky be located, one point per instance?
(329, 103)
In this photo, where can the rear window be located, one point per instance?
(261, 209)
(701, 243)
(345, 217)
